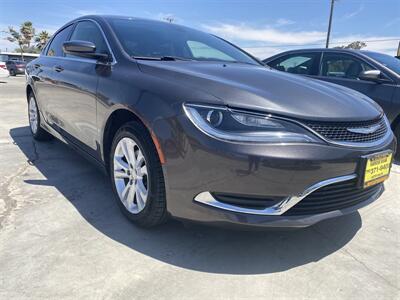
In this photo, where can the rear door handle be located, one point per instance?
(58, 69)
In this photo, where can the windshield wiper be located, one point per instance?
(162, 58)
(169, 57)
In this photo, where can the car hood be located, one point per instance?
(259, 88)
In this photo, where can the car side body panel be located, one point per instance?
(75, 102)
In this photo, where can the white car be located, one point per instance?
(3, 70)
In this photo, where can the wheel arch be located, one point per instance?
(28, 91)
(116, 120)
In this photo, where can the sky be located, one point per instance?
(262, 27)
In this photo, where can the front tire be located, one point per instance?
(37, 131)
(137, 177)
(13, 73)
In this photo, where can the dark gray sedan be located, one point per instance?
(374, 74)
(189, 126)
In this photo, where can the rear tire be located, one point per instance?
(12, 72)
(37, 131)
(137, 177)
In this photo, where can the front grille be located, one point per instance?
(333, 197)
(337, 131)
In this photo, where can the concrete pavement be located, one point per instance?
(62, 236)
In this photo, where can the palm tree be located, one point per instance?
(23, 37)
(41, 39)
(28, 32)
(16, 37)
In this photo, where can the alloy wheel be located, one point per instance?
(130, 175)
(33, 115)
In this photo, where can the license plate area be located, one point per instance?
(376, 168)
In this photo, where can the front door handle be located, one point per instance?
(58, 69)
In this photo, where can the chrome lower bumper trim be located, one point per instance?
(275, 210)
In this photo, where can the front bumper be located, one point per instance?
(252, 220)
(198, 166)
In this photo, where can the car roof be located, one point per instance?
(107, 18)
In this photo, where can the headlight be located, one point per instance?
(237, 126)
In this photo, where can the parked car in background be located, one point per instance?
(186, 126)
(16, 67)
(374, 74)
(3, 70)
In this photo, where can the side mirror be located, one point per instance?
(371, 75)
(83, 49)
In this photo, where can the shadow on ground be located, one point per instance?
(198, 248)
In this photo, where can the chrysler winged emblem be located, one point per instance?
(364, 130)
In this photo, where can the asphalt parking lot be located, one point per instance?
(62, 235)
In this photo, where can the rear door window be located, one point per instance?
(299, 63)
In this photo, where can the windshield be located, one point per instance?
(388, 61)
(150, 39)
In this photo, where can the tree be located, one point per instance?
(23, 37)
(28, 32)
(354, 45)
(42, 39)
(31, 49)
(16, 37)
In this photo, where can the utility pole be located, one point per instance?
(330, 24)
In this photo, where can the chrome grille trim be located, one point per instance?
(275, 210)
(336, 196)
